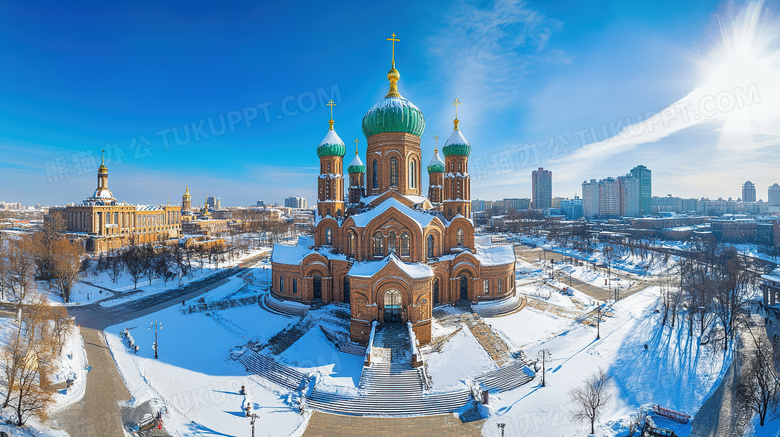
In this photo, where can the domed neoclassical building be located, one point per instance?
(386, 249)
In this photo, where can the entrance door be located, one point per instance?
(464, 288)
(436, 291)
(346, 289)
(392, 304)
(317, 287)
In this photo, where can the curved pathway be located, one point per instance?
(97, 413)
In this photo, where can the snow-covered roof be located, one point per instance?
(437, 158)
(356, 161)
(362, 220)
(331, 138)
(367, 269)
(295, 254)
(456, 138)
(102, 193)
(412, 198)
(289, 254)
(495, 256)
(148, 208)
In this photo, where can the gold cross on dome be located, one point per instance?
(436, 139)
(393, 40)
(331, 104)
(456, 103)
(356, 145)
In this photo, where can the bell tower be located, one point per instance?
(357, 173)
(186, 200)
(457, 183)
(330, 184)
(436, 177)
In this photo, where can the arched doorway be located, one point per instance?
(346, 289)
(464, 287)
(392, 306)
(436, 291)
(317, 282)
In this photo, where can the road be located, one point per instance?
(97, 413)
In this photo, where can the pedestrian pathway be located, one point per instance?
(323, 424)
(722, 413)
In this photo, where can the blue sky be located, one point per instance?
(230, 98)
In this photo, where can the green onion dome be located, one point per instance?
(356, 166)
(436, 165)
(393, 113)
(456, 144)
(331, 145)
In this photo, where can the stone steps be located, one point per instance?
(508, 377)
(272, 371)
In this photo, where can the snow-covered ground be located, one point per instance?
(194, 377)
(91, 287)
(71, 365)
(675, 371)
(626, 262)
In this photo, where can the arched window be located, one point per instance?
(351, 244)
(460, 166)
(328, 236)
(327, 189)
(391, 242)
(500, 287)
(393, 172)
(295, 286)
(281, 284)
(430, 246)
(452, 166)
(329, 167)
(375, 174)
(405, 249)
(459, 237)
(379, 250)
(412, 174)
(487, 289)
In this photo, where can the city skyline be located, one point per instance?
(257, 111)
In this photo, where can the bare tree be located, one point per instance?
(21, 266)
(26, 360)
(759, 388)
(66, 261)
(113, 265)
(133, 259)
(589, 399)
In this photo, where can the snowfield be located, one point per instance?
(194, 378)
(676, 371)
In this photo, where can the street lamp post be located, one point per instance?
(157, 327)
(598, 323)
(252, 422)
(544, 353)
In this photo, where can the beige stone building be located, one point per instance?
(104, 224)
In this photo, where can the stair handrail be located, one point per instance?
(367, 360)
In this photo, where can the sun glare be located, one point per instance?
(743, 73)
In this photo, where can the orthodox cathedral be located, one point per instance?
(386, 249)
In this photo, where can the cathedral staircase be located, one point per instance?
(509, 377)
(272, 371)
(390, 386)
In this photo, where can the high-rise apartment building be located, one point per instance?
(590, 198)
(213, 202)
(296, 202)
(748, 192)
(643, 175)
(541, 188)
(774, 195)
